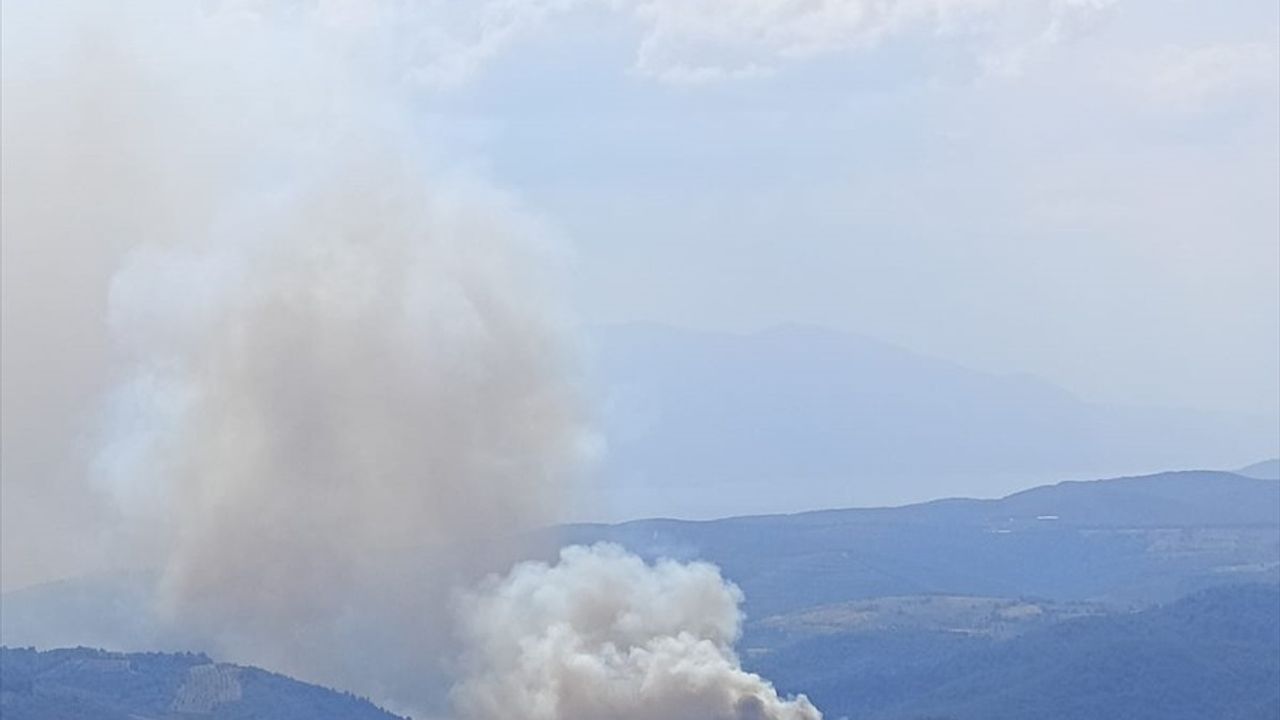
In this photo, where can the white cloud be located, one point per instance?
(690, 41)
(712, 39)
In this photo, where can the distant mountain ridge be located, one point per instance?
(862, 609)
(705, 424)
(1176, 498)
(1123, 541)
(1265, 470)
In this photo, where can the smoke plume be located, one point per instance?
(328, 367)
(330, 378)
(603, 635)
(380, 378)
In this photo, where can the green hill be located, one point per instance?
(88, 684)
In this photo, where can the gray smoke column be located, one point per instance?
(603, 635)
(330, 378)
(377, 375)
(334, 374)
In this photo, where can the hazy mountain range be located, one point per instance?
(1152, 596)
(705, 424)
(1265, 470)
(1124, 542)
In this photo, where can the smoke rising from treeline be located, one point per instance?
(603, 635)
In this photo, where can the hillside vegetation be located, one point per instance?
(1214, 654)
(1139, 598)
(88, 684)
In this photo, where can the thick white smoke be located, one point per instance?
(603, 635)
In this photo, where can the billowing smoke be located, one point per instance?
(335, 377)
(603, 635)
(377, 377)
(332, 378)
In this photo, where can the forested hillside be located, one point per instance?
(1214, 654)
(87, 684)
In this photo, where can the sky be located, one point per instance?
(1083, 190)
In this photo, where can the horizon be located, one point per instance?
(571, 523)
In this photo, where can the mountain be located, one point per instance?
(1265, 470)
(703, 424)
(87, 684)
(1148, 592)
(1213, 654)
(1122, 542)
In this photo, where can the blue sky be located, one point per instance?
(1085, 191)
